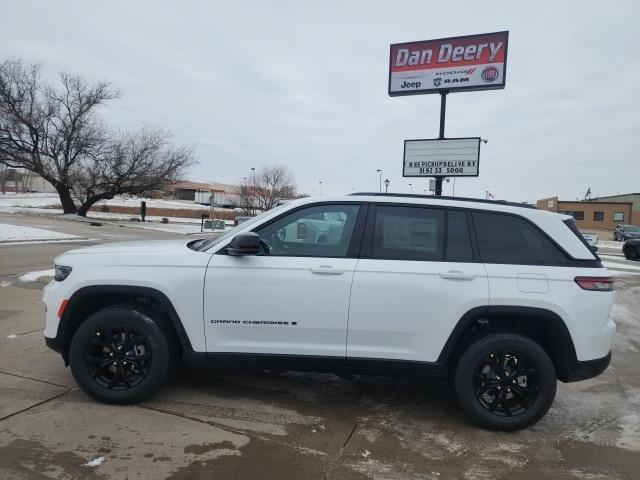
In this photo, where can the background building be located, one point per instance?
(225, 195)
(603, 213)
(633, 198)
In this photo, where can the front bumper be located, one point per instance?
(577, 370)
(53, 344)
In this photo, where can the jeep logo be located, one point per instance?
(410, 84)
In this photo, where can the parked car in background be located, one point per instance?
(238, 220)
(626, 232)
(322, 227)
(631, 249)
(592, 240)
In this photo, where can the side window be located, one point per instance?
(458, 239)
(407, 233)
(509, 239)
(319, 231)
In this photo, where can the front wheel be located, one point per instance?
(505, 382)
(120, 355)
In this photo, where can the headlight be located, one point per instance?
(61, 272)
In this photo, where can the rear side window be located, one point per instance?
(406, 233)
(571, 224)
(458, 239)
(509, 239)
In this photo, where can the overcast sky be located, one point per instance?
(304, 84)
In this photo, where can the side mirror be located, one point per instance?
(244, 244)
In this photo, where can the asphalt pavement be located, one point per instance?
(267, 425)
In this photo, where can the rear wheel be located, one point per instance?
(505, 382)
(632, 253)
(120, 355)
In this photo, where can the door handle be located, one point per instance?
(457, 275)
(326, 270)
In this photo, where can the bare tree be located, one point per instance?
(271, 184)
(49, 130)
(132, 163)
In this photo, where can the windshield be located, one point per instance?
(208, 243)
(632, 229)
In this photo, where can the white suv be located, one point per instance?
(504, 298)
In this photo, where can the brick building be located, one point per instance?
(633, 198)
(603, 213)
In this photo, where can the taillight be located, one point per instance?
(302, 231)
(597, 284)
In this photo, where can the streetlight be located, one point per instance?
(386, 185)
(320, 182)
(379, 179)
(410, 188)
(253, 170)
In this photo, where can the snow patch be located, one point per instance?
(95, 462)
(34, 276)
(9, 232)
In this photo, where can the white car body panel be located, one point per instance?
(310, 294)
(167, 266)
(585, 313)
(406, 310)
(391, 309)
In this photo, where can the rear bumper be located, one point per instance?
(577, 370)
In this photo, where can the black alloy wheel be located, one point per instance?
(120, 354)
(118, 358)
(505, 385)
(505, 381)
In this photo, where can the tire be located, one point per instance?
(631, 253)
(140, 366)
(520, 397)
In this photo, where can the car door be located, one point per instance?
(417, 276)
(293, 297)
(524, 266)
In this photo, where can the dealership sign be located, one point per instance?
(451, 157)
(474, 62)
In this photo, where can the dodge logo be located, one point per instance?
(437, 81)
(490, 74)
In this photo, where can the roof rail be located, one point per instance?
(440, 197)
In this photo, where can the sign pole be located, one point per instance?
(443, 109)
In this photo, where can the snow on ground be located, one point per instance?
(28, 277)
(28, 199)
(183, 228)
(40, 203)
(610, 244)
(12, 233)
(35, 200)
(151, 203)
(34, 276)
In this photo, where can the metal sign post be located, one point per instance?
(443, 109)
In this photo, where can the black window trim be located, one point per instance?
(356, 236)
(361, 245)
